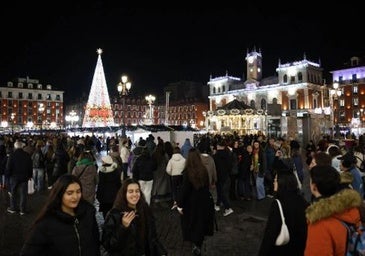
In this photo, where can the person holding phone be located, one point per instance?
(129, 227)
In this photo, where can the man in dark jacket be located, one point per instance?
(223, 163)
(19, 169)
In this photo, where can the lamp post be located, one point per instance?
(72, 117)
(123, 89)
(150, 100)
(41, 110)
(335, 94)
(12, 117)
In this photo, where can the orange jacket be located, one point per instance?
(326, 234)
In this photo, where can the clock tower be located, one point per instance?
(254, 65)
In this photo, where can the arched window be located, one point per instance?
(300, 77)
(285, 79)
(252, 104)
(213, 90)
(263, 104)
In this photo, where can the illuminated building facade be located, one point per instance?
(348, 97)
(28, 104)
(289, 104)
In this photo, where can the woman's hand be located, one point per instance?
(127, 218)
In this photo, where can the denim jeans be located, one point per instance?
(260, 188)
(18, 189)
(38, 176)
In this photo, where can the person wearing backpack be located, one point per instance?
(332, 205)
(38, 160)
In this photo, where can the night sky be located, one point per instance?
(154, 47)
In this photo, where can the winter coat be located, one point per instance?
(326, 234)
(61, 234)
(208, 162)
(293, 205)
(223, 164)
(176, 165)
(109, 183)
(19, 166)
(88, 178)
(60, 160)
(124, 154)
(144, 167)
(119, 240)
(197, 220)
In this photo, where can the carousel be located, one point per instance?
(237, 117)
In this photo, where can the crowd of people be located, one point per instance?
(200, 178)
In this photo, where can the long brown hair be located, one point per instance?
(196, 170)
(142, 208)
(54, 200)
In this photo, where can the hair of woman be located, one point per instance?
(287, 183)
(54, 200)
(121, 203)
(196, 170)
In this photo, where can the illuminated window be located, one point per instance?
(342, 103)
(356, 101)
(355, 89)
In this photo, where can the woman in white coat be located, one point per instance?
(174, 168)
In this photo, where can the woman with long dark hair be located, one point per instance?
(195, 202)
(293, 205)
(66, 225)
(129, 227)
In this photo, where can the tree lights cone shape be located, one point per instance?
(98, 111)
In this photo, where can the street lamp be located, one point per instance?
(123, 89)
(335, 94)
(150, 99)
(41, 110)
(12, 117)
(72, 117)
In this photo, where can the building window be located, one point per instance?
(30, 96)
(356, 114)
(342, 116)
(342, 103)
(292, 79)
(58, 97)
(354, 78)
(355, 89)
(10, 94)
(39, 96)
(285, 79)
(300, 77)
(340, 79)
(263, 104)
(293, 104)
(20, 95)
(252, 104)
(356, 101)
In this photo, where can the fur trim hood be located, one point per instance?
(337, 205)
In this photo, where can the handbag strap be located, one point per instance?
(78, 176)
(281, 211)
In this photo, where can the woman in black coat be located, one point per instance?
(129, 227)
(293, 205)
(195, 203)
(66, 225)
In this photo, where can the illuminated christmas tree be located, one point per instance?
(98, 111)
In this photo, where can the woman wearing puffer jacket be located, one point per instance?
(174, 168)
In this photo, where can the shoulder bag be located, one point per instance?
(283, 237)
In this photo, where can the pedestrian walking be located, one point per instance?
(195, 202)
(129, 227)
(293, 205)
(19, 169)
(66, 225)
